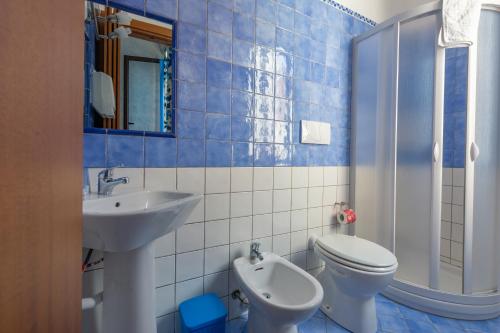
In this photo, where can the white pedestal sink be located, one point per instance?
(124, 227)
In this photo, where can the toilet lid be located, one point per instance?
(357, 250)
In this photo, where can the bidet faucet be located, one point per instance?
(106, 183)
(254, 252)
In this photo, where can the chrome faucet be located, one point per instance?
(254, 252)
(106, 183)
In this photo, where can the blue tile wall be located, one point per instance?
(247, 72)
(455, 108)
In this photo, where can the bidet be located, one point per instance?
(281, 295)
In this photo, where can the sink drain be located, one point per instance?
(267, 295)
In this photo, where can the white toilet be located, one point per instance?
(281, 295)
(355, 271)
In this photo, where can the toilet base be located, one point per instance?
(357, 314)
(265, 323)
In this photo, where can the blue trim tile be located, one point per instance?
(160, 152)
(131, 4)
(190, 153)
(94, 150)
(218, 154)
(242, 155)
(218, 127)
(218, 100)
(125, 151)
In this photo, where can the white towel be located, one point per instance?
(460, 22)
(103, 95)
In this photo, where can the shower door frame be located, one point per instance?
(431, 299)
(395, 23)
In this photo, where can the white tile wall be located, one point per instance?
(452, 216)
(279, 207)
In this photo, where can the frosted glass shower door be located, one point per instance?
(481, 257)
(374, 121)
(416, 176)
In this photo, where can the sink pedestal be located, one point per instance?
(129, 291)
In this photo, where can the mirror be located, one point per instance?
(454, 141)
(128, 71)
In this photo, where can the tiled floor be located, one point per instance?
(392, 318)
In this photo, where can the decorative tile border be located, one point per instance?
(350, 12)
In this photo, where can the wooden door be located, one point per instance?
(41, 103)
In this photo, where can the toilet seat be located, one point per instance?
(357, 253)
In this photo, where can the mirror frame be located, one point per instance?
(173, 23)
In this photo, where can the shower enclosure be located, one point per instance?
(426, 160)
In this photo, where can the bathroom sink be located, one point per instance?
(124, 226)
(124, 222)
